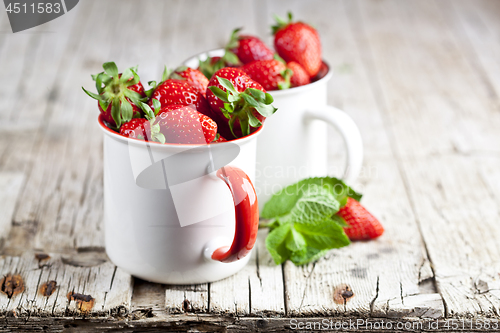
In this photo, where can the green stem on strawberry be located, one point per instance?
(281, 22)
(241, 105)
(150, 115)
(152, 84)
(229, 58)
(113, 89)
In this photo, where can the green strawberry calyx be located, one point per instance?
(228, 59)
(241, 105)
(281, 22)
(112, 88)
(175, 75)
(150, 115)
(153, 85)
(285, 74)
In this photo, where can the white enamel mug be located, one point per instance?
(293, 144)
(169, 218)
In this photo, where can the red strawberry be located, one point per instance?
(299, 76)
(124, 91)
(271, 74)
(298, 42)
(362, 224)
(179, 92)
(137, 128)
(323, 70)
(193, 77)
(239, 104)
(248, 48)
(219, 138)
(186, 125)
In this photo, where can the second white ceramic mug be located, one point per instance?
(294, 144)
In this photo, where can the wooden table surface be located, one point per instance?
(422, 81)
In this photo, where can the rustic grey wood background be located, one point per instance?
(422, 81)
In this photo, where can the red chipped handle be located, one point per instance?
(246, 213)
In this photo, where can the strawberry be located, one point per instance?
(362, 224)
(299, 76)
(298, 42)
(186, 125)
(137, 128)
(179, 92)
(323, 70)
(248, 48)
(219, 138)
(118, 94)
(240, 105)
(193, 77)
(271, 74)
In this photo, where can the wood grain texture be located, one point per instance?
(420, 79)
(108, 287)
(449, 100)
(10, 185)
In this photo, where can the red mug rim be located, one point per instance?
(118, 136)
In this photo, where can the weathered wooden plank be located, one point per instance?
(459, 218)
(462, 124)
(382, 273)
(378, 272)
(188, 298)
(100, 289)
(255, 290)
(10, 186)
(23, 151)
(476, 27)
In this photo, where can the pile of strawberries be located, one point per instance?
(224, 99)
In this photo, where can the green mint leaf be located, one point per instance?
(316, 204)
(309, 254)
(281, 203)
(323, 234)
(295, 241)
(110, 69)
(276, 243)
(339, 221)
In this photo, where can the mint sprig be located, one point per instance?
(303, 222)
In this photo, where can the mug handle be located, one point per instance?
(246, 213)
(350, 133)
